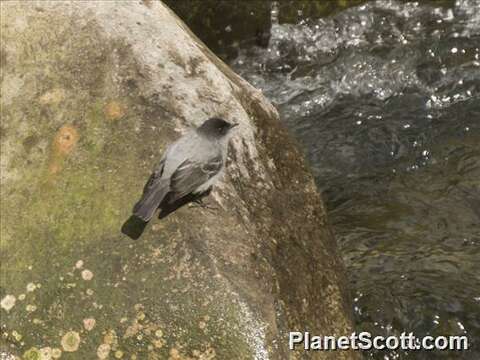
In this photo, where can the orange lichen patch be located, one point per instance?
(174, 354)
(89, 324)
(65, 140)
(114, 110)
(55, 167)
(53, 96)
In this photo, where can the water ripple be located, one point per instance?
(385, 99)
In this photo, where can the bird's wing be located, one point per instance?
(155, 176)
(190, 175)
(153, 193)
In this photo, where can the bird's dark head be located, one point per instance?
(215, 128)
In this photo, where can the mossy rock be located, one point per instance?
(92, 92)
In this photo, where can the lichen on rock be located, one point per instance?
(94, 93)
(8, 302)
(70, 341)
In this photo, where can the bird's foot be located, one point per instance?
(202, 204)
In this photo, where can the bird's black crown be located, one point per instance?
(215, 127)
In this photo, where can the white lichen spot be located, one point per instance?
(174, 354)
(46, 353)
(8, 302)
(89, 292)
(7, 356)
(52, 97)
(32, 353)
(31, 308)
(103, 351)
(159, 333)
(110, 338)
(118, 354)
(70, 341)
(31, 287)
(79, 264)
(132, 330)
(208, 354)
(56, 353)
(158, 343)
(21, 297)
(97, 306)
(89, 324)
(87, 275)
(17, 336)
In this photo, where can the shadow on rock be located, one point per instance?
(134, 226)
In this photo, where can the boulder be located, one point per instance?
(92, 92)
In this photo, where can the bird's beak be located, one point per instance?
(233, 125)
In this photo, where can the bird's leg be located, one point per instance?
(203, 204)
(198, 200)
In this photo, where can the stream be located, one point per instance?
(384, 99)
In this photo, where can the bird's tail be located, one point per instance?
(150, 201)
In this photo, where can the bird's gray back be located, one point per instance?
(190, 146)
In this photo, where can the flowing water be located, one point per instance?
(385, 100)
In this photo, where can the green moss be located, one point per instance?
(70, 189)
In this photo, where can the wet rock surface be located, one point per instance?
(92, 92)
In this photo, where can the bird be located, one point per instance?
(190, 166)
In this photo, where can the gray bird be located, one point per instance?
(190, 166)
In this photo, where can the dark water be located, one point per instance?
(385, 100)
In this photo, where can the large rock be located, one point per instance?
(92, 92)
